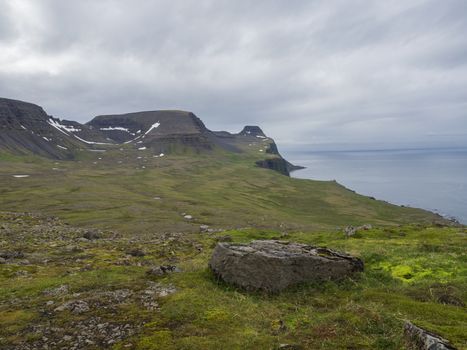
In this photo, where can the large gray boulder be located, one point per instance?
(275, 265)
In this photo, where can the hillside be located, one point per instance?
(85, 231)
(26, 128)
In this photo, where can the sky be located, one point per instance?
(314, 74)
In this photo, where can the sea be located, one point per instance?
(433, 179)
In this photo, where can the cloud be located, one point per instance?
(317, 72)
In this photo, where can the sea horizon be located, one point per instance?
(431, 178)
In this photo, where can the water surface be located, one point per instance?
(433, 179)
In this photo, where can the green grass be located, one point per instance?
(220, 189)
(411, 266)
(363, 313)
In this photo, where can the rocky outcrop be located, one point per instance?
(272, 266)
(276, 164)
(420, 339)
(252, 130)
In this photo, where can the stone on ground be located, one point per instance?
(275, 265)
(421, 339)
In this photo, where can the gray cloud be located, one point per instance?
(332, 72)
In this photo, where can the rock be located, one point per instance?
(350, 230)
(421, 339)
(73, 249)
(60, 290)
(75, 306)
(449, 299)
(275, 265)
(136, 252)
(91, 235)
(161, 290)
(7, 255)
(204, 228)
(289, 347)
(2, 261)
(162, 270)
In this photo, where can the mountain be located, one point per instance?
(26, 128)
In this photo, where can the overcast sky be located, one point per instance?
(324, 73)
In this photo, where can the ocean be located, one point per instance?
(433, 179)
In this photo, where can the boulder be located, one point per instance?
(272, 266)
(420, 339)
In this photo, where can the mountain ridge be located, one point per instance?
(26, 128)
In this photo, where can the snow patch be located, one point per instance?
(45, 138)
(57, 126)
(23, 127)
(153, 126)
(71, 128)
(19, 176)
(61, 147)
(111, 128)
(61, 127)
(142, 148)
(91, 142)
(136, 138)
(260, 137)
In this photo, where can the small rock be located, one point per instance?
(160, 289)
(188, 217)
(423, 340)
(162, 270)
(349, 231)
(449, 299)
(60, 290)
(73, 249)
(75, 306)
(226, 238)
(7, 255)
(136, 252)
(204, 228)
(91, 235)
(289, 347)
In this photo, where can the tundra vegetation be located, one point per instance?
(79, 240)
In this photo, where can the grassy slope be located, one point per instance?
(409, 270)
(223, 190)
